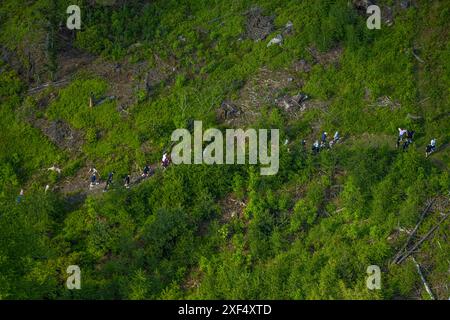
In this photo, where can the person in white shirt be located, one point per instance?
(431, 147)
(336, 136)
(335, 140)
(20, 196)
(401, 133)
(165, 160)
(316, 147)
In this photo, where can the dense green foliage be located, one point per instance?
(171, 236)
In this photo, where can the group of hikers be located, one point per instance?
(146, 172)
(406, 136)
(324, 144)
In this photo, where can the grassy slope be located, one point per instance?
(167, 238)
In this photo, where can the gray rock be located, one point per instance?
(277, 40)
(288, 102)
(227, 110)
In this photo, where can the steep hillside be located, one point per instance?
(110, 95)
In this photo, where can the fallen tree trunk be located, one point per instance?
(429, 233)
(413, 232)
(417, 57)
(46, 85)
(425, 284)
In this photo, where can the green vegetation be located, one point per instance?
(223, 232)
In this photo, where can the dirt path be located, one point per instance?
(76, 188)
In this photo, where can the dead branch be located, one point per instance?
(426, 99)
(429, 233)
(425, 284)
(417, 57)
(338, 210)
(46, 85)
(413, 232)
(404, 230)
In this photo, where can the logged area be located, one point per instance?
(351, 201)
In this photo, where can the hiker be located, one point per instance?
(109, 181)
(127, 182)
(324, 137)
(165, 160)
(335, 140)
(336, 137)
(93, 170)
(431, 148)
(94, 174)
(406, 145)
(20, 196)
(410, 136)
(323, 140)
(286, 143)
(401, 133)
(315, 147)
(93, 180)
(146, 171)
(409, 139)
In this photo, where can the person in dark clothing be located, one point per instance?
(110, 177)
(109, 181)
(409, 139)
(406, 145)
(410, 135)
(303, 144)
(146, 171)
(93, 180)
(127, 181)
(324, 137)
(315, 147)
(323, 141)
